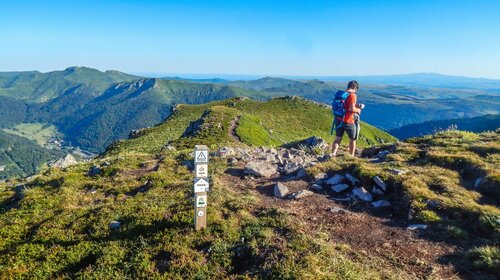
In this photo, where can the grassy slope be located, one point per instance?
(21, 156)
(38, 132)
(270, 123)
(58, 227)
(35, 86)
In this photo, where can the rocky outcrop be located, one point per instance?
(65, 162)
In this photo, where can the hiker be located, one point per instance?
(346, 117)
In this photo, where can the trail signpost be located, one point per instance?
(201, 186)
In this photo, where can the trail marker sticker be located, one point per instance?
(201, 201)
(201, 185)
(200, 156)
(200, 213)
(201, 170)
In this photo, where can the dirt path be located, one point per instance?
(369, 234)
(232, 129)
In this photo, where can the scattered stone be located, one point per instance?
(320, 176)
(316, 187)
(362, 194)
(478, 182)
(351, 178)
(65, 162)
(105, 164)
(302, 194)
(225, 152)
(377, 190)
(382, 154)
(381, 203)
(380, 183)
(92, 191)
(338, 210)
(94, 170)
(433, 203)
(397, 172)
(170, 148)
(340, 187)
(416, 226)
(336, 179)
(280, 190)
(260, 169)
(233, 161)
(301, 173)
(115, 224)
(290, 168)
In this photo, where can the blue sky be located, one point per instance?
(254, 37)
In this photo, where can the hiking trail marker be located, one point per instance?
(201, 186)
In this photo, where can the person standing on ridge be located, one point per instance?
(346, 114)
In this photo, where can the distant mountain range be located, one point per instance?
(91, 109)
(477, 124)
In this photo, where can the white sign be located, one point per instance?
(201, 170)
(201, 185)
(201, 201)
(201, 156)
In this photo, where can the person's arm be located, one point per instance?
(352, 105)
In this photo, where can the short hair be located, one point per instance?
(353, 85)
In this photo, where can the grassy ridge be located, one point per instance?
(271, 123)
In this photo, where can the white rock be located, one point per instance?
(416, 226)
(340, 187)
(280, 190)
(380, 183)
(336, 179)
(351, 178)
(320, 176)
(67, 161)
(114, 224)
(338, 210)
(381, 203)
(397, 171)
(362, 194)
(316, 187)
(260, 169)
(302, 194)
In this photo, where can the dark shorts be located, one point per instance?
(349, 128)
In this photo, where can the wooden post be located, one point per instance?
(201, 186)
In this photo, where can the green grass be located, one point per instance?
(60, 230)
(271, 123)
(38, 132)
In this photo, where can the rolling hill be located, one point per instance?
(477, 124)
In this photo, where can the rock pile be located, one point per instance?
(349, 186)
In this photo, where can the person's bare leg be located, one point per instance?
(352, 146)
(336, 145)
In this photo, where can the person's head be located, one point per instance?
(353, 86)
